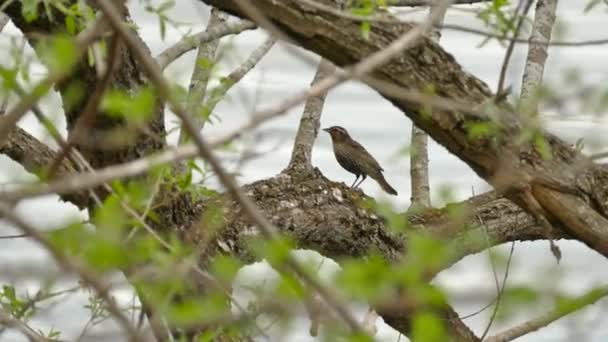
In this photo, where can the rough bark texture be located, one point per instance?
(547, 187)
(326, 216)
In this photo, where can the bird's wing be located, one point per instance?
(358, 148)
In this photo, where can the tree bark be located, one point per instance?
(325, 216)
(551, 182)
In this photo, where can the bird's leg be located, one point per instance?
(362, 179)
(352, 185)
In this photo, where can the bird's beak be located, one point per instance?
(326, 130)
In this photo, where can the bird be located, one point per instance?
(353, 157)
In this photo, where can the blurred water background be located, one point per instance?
(384, 131)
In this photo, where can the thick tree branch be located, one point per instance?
(515, 168)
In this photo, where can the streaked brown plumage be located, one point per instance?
(355, 159)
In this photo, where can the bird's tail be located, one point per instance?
(384, 184)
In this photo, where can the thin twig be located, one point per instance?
(226, 83)
(415, 3)
(89, 277)
(190, 43)
(509, 52)
(500, 293)
(453, 27)
(561, 310)
(31, 334)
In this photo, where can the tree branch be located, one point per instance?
(515, 168)
(310, 121)
(419, 154)
(415, 3)
(563, 309)
(203, 66)
(544, 17)
(189, 43)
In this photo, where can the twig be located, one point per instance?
(500, 293)
(226, 83)
(89, 277)
(189, 43)
(414, 3)
(561, 310)
(31, 334)
(15, 236)
(454, 27)
(310, 121)
(509, 52)
(203, 66)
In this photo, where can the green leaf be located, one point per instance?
(225, 267)
(428, 327)
(29, 9)
(365, 279)
(70, 24)
(365, 29)
(541, 146)
(58, 53)
(136, 108)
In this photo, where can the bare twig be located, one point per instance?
(561, 310)
(454, 27)
(203, 67)
(500, 293)
(226, 83)
(31, 334)
(89, 277)
(414, 3)
(310, 121)
(189, 43)
(509, 52)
